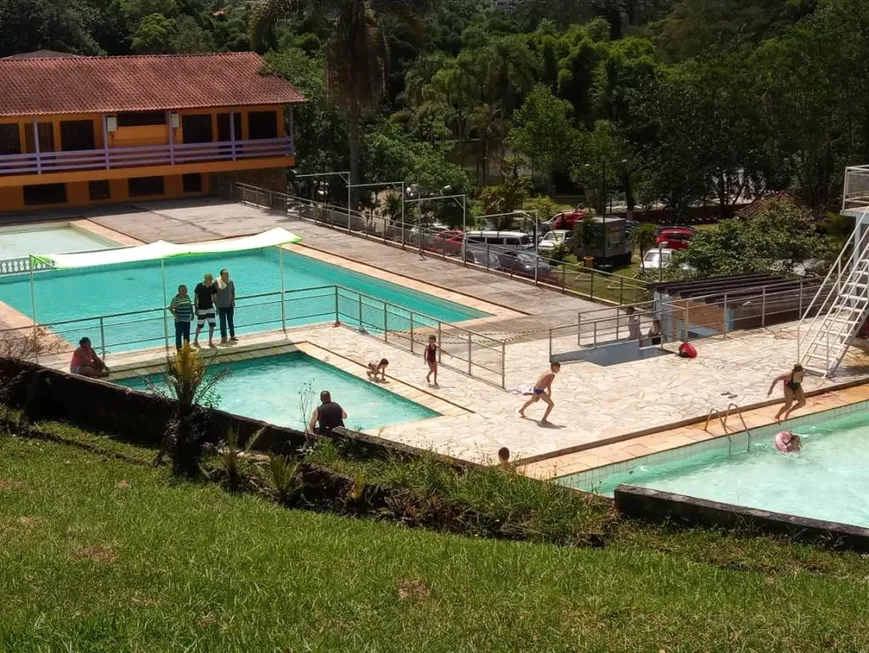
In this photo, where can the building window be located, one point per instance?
(10, 141)
(45, 194)
(192, 183)
(196, 128)
(143, 186)
(141, 118)
(223, 131)
(45, 131)
(99, 190)
(262, 124)
(77, 135)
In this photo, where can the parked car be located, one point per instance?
(567, 219)
(553, 239)
(448, 242)
(483, 258)
(675, 237)
(657, 258)
(503, 239)
(522, 263)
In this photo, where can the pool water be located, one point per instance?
(18, 242)
(827, 480)
(271, 388)
(62, 295)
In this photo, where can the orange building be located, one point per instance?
(83, 130)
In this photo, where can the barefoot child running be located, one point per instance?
(543, 390)
(431, 358)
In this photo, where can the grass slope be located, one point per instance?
(103, 555)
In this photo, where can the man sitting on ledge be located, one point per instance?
(86, 362)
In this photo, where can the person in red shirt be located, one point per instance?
(85, 361)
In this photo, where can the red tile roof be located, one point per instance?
(140, 83)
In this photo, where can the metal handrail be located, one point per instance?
(741, 418)
(715, 411)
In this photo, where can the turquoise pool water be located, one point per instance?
(270, 388)
(17, 242)
(826, 480)
(62, 295)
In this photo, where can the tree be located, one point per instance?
(508, 195)
(643, 237)
(154, 35)
(544, 133)
(27, 25)
(190, 38)
(356, 53)
(775, 240)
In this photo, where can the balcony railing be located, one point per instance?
(146, 155)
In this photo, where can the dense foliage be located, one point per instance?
(669, 102)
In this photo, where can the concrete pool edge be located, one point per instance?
(635, 445)
(658, 506)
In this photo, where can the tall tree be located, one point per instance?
(356, 54)
(544, 133)
(27, 25)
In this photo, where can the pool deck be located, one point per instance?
(594, 405)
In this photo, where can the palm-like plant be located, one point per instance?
(356, 53)
(643, 237)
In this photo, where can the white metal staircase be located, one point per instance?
(839, 308)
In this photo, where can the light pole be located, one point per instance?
(459, 199)
(391, 184)
(344, 175)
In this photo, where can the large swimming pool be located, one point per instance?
(272, 389)
(62, 295)
(827, 480)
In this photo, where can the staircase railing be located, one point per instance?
(830, 288)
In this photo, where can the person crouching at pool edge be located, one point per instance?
(85, 361)
(378, 369)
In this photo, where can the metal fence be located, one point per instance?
(544, 272)
(461, 349)
(687, 319)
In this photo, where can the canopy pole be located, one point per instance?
(165, 304)
(283, 307)
(33, 307)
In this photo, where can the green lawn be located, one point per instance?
(102, 555)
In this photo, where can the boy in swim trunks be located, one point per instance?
(543, 390)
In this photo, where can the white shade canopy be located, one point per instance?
(163, 250)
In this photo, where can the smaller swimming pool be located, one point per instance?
(19, 241)
(272, 389)
(827, 480)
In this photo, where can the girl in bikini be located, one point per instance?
(793, 386)
(431, 358)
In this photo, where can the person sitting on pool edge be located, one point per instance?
(327, 416)
(375, 369)
(85, 361)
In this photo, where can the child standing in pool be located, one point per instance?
(431, 359)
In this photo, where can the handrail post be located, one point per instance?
(594, 342)
(687, 320)
(621, 290)
(550, 345)
(469, 354)
(411, 332)
(563, 274)
(724, 317)
(337, 315)
(440, 346)
(385, 324)
(763, 307)
(591, 286)
(579, 328)
(360, 311)
(504, 363)
(103, 336)
(283, 313)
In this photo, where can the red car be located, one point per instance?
(568, 219)
(674, 237)
(448, 242)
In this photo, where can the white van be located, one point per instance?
(511, 239)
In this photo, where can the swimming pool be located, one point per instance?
(270, 389)
(827, 480)
(62, 295)
(20, 241)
